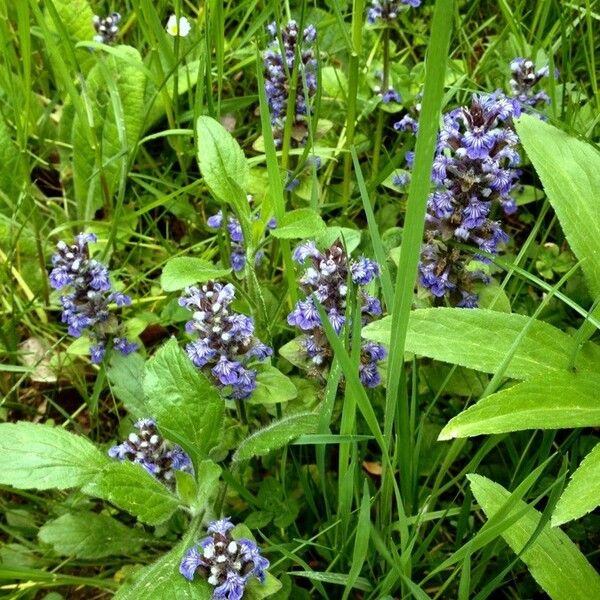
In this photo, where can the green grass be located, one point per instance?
(369, 505)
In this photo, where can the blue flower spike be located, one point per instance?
(225, 344)
(287, 45)
(86, 306)
(226, 563)
(326, 279)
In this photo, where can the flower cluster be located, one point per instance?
(107, 29)
(326, 279)
(149, 449)
(86, 308)
(410, 121)
(226, 564)
(237, 256)
(288, 45)
(388, 10)
(226, 342)
(474, 168)
(524, 79)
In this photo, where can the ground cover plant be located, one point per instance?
(299, 300)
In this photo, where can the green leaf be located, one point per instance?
(272, 386)
(128, 486)
(9, 162)
(570, 172)
(349, 237)
(76, 17)
(293, 352)
(480, 339)
(299, 224)
(182, 271)
(91, 535)
(549, 401)
(127, 78)
(222, 162)
(126, 377)
(255, 590)
(276, 435)
(196, 495)
(361, 540)
(43, 457)
(162, 579)
(582, 495)
(185, 404)
(553, 559)
(186, 77)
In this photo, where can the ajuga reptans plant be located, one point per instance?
(148, 449)
(473, 170)
(287, 46)
(226, 346)
(86, 308)
(227, 564)
(326, 278)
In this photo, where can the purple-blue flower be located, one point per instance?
(237, 257)
(524, 78)
(86, 305)
(325, 280)
(390, 95)
(148, 449)
(226, 345)
(473, 170)
(287, 45)
(388, 10)
(225, 563)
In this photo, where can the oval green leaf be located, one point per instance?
(549, 401)
(183, 271)
(553, 560)
(276, 435)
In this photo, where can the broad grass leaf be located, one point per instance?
(126, 377)
(276, 435)
(480, 339)
(553, 560)
(582, 494)
(187, 407)
(162, 579)
(361, 540)
(550, 401)
(128, 486)
(272, 386)
(182, 271)
(570, 172)
(90, 535)
(126, 74)
(44, 457)
(299, 224)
